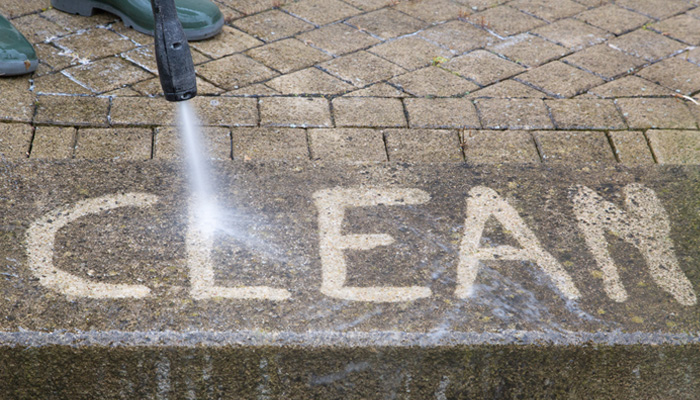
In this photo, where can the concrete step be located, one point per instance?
(350, 281)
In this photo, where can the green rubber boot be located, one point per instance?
(17, 56)
(201, 19)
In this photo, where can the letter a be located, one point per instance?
(483, 203)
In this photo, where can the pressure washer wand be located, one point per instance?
(175, 65)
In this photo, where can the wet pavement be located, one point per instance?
(473, 254)
(580, 81)
(419, 199)
(350, 280)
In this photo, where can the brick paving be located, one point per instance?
(522, 81)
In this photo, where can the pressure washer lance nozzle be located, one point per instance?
(173, 56)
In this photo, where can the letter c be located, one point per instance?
(41, 237)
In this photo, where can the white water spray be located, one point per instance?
(210, 218)
(205, 207)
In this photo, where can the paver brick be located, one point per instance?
(695, 13)
(248, 7)
(321, 12)
(496, 147)
(675, 146)
(43, 69)
(145, 57)
(573, 147)
(433, 81)
(287, 55)
(674, 73)
(15, 8)
(229, 12)
(613, 19)
(107, 74)
(272, 25)
(254, 90)
(58, 83)
(368, 112)
(646, 44)
(123, 92)
(483, 67)
(15, 140)
(338, 39)
(458, 36)
(347, 144)
(53, 143)
(604, 61)
(16, 99)
(513, 114)
(235, 71)
(631, 147)
(137, 37)
(37, 29)
(204, 88)
(593, 3)
(507, 89)
(82, 45)
(658, 9)
(269, 144)
(528, 50)
(423, 145)
(630, 86)
(572, 33)
(692, 55)
(548, 10)
(309, 81)
(228, 42)
(378, 90)
(663, 113)
(386, 23)
(151, 111)
(226, 111)
(367, 5)
(585, 114)
(52, 56)
(216, 143)
(294, 112)
(123, 144)
(692, 107)
(361, 68)
(432, 11)
(411, 52)
(73, 111)
(560, 80)
(505, 20)
(441, 113)
(681, 27)
(76, 23)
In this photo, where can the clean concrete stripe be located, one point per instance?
(336, 339)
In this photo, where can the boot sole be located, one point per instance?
(87, 8)
(14, 68)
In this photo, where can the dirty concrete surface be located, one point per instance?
(423, 199)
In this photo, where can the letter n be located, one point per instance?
(645, 225)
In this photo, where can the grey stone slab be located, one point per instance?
(329, 275)
(91, 227)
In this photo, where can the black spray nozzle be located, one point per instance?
(175, 65)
